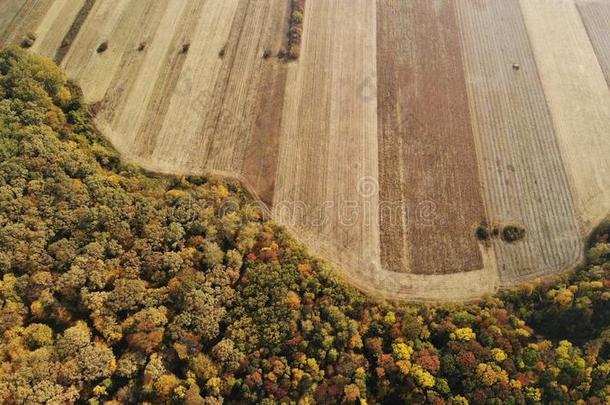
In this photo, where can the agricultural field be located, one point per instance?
(427, 162)
(398, 139)
(324, 128)
(578, 98)
(596, 15)
(525, 179)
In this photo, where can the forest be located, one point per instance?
(119, 286)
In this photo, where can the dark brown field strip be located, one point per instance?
(75, 27)
(596, 17)
(261, 156)
(427, 155)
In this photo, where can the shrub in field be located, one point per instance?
(482, 233)
(294, 53)
(103, 47)
(297, 17)
(29, 40)
(513, 233)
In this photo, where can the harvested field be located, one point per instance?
(21, 17)
(426, 163)
(55, 25)
(75, 26)
(208, 104)
(578, 98)
(596, 16)
(9, 9)
(401, 127)
(525, 179)
(111, 21)
(329, 139)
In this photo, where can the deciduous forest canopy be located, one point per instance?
(118, 286)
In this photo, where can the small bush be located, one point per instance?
(267, 54)
(297, 17)
(29, 40)
(482, 233)
(513, 233)
(222, 52)
(27, 43)
(185, 48)
(294, 53)
(103, 47)
(142, 46)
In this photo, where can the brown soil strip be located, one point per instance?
(427, 155)
(261, 159)
(261, 156)
(69, 38)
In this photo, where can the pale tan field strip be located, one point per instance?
(526, 182)
(402, 127)
(21, 17)
(329, 139)
(55, 25)
(596, 16)
(578, 98)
